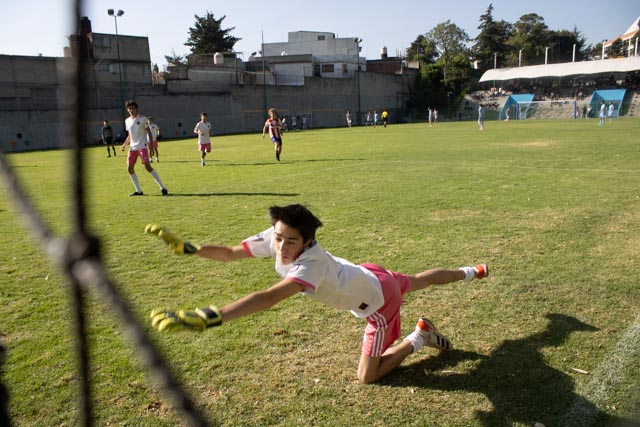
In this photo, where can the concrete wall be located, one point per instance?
(243, 109)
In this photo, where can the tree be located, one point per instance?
(617, 49)
(491, 40)
(174, 59)
(207, 36)
(561, 46)
(530, 36)
(422, 50)
(450, 41)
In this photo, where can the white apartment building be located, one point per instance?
(313, 54)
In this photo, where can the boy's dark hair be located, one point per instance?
(130, 103)
(298, 217)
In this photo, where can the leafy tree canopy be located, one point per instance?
(207, 36)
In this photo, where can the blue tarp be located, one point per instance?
(609, 95)
(514, 100)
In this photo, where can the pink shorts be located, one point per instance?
(132, 157)
(153, 144)
(205, 147)
(383, 326)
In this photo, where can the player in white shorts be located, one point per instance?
(368, 291)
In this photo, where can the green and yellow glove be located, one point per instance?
(177, 245)
(196, 320)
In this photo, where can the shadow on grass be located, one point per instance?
(213, 163)
(228, 194)
(515, 378)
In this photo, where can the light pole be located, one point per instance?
(546, 55)
(117, 15)
(359, 114)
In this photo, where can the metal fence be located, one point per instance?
(78, 255)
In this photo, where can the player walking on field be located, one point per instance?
(203, 129)
(274, 125)
(139, 132)
(154, 131)
(368, 291)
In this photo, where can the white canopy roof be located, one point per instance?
(618, 65)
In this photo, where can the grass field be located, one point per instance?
(552, 337)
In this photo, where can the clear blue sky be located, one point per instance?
(32, 27)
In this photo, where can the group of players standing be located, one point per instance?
(142, 139)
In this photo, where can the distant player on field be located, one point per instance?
(154, 131)
(368, 291)
(107, 137)
(203, 129)
(274, 126)
(610, 112)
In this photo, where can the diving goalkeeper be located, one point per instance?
(368, 290)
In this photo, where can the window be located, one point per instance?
(321, 38)
(146, 70)
(328, 68)
(345, 68)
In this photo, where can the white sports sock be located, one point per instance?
(416, 340)
(157, 179)
(469, 273)
(136, 183)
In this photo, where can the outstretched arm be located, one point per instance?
(222, 253)
(181, 247)
(203, 318)
(260, 300)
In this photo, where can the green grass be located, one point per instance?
(553, 206)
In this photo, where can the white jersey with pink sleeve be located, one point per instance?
(326, 278)
(137, 128)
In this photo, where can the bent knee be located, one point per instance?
(367, 378)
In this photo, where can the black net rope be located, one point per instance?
(79, 258)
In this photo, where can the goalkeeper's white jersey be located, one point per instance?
(326, 278)
(137, 128)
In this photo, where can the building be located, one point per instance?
(314, 74)
(627, 38)
(314, 54)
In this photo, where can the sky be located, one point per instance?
(41, 27)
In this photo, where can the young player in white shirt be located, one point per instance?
(368, 291)
(138, 130)
(203, 129)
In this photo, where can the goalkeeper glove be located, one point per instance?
(197, 320)
(177, 245)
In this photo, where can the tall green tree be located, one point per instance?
(451, 43)
(561, 45)
(530, 36)
(207, 36)
(491, 42)
(423, 50)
